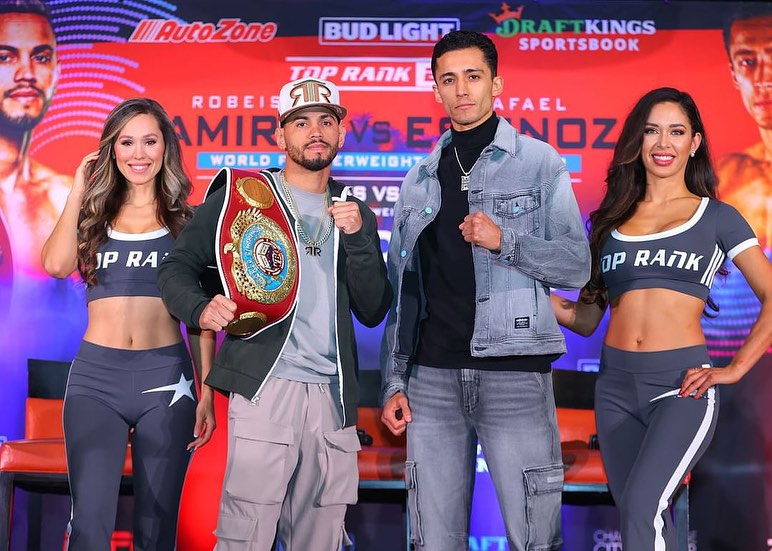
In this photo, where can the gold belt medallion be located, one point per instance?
(264, 263)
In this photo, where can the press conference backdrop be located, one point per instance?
(571, 71)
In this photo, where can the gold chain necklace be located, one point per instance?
(325, 221)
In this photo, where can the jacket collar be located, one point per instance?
(506, 139)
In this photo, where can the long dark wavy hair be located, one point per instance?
(107, 190)
(626, 177)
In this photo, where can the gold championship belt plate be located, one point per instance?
(257, 256)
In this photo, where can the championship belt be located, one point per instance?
(257, 257)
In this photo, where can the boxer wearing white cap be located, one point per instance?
(292, 442)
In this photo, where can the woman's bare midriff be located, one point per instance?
(131, 323)
(646, 320)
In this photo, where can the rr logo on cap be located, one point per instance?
(310, 91)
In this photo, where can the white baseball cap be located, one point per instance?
(309, 92)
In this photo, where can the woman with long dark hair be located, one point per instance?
(658, 240)
(132, 371)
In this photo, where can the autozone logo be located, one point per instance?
(226, 30)
(384, 31)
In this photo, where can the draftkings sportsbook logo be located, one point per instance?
(571, 35)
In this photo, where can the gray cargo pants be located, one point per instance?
(291, 470)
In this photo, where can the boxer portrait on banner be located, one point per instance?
(724, 495)
(31, 194)
(295, 257)
(745, 178)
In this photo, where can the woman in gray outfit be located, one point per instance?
(658, 240)
(132, 372)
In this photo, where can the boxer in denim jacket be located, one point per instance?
(484, 226)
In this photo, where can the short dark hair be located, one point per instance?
(746, 12)
(24, 6)
(459, 40)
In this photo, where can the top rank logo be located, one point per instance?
(226, 30)
(589, 32)
(384, 31)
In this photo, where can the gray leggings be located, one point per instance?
(110, 391)
(649, 437)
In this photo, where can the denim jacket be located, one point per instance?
(523, 185)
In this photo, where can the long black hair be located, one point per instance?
(626, 177)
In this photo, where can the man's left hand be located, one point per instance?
(347, 217)
(480, 230)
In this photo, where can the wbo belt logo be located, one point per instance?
(257, 258)
(264, 260)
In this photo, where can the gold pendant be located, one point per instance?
(264, 262)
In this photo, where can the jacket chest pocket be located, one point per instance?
(519, 212)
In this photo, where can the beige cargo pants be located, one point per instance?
(291, 470)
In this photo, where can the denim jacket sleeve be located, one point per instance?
(392, 381)
(394, 371)
(560, 257)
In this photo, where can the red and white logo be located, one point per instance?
(226, 30)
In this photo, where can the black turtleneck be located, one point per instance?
(447, 268)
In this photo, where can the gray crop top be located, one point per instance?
(127, 265)
(684, 259)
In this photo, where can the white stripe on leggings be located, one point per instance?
(680, 471)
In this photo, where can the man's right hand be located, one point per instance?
(217, 314)
(394, 421)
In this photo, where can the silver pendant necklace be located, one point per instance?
(314, 245)
(465, 175)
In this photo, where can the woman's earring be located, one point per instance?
(692, 154)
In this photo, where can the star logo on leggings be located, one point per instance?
(180, 389)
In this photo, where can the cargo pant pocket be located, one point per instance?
(339, 481)
(345, 540)
(414, 512)
(232, 532)
(260, 462)
(543, 488)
